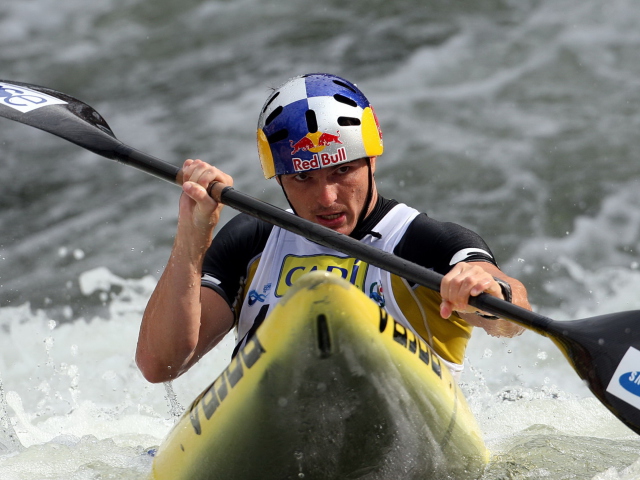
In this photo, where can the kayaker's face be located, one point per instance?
(332, 197)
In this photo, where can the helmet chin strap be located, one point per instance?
(285, 194)
(367, 202)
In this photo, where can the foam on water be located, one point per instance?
(75, 398)
(81, 409)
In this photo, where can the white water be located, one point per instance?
(76, 400)
(81, 409)
(516, 118)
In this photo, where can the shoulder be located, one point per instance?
(239, 241)
(243, 228)
(438, 245)
(441, 231)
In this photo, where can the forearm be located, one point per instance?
(170, 328)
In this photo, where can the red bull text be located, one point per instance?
(319, 160)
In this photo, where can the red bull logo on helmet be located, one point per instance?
(316, 142)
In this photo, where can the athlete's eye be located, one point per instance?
(343, 169)
(301, 177)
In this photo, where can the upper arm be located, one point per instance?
(216, 320)
(224, 267)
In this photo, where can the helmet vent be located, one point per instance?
(348, 121)
(346, 100)
(312, 122)
(272, 116)
(269, 102)
(342, 84)
(277, 136)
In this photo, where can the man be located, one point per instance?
(319, 136)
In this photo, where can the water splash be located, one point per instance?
(175, 408)
(9, 441)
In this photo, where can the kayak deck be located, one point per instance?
(330, 386)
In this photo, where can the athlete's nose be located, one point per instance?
(328, 194)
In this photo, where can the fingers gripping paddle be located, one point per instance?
(604, 350)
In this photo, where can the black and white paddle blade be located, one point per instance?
(605, 352)
(69, 118)
(57, 113)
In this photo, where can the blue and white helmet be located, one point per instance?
(315, 121)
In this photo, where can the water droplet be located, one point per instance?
(542, 355)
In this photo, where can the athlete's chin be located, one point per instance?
(344, 229)
(339, 224)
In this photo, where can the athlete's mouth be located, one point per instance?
(330, 217)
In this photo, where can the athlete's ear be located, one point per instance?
(372, 161)
(278, 180)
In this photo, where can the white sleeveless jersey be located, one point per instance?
(287, 256)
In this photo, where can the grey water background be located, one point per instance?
(518, 119)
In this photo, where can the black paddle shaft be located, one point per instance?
(604, 350)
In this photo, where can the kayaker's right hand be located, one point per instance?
(199, 213)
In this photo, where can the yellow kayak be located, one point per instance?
(330, 387)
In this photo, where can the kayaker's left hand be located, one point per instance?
(463, 281)
(471, 279)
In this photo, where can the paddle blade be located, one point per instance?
(77, 122)
(605, 352)
(59, 114)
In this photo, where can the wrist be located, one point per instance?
(507, 293)
(507, 296)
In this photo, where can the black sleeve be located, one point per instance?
(435, 244)
(238, 242)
